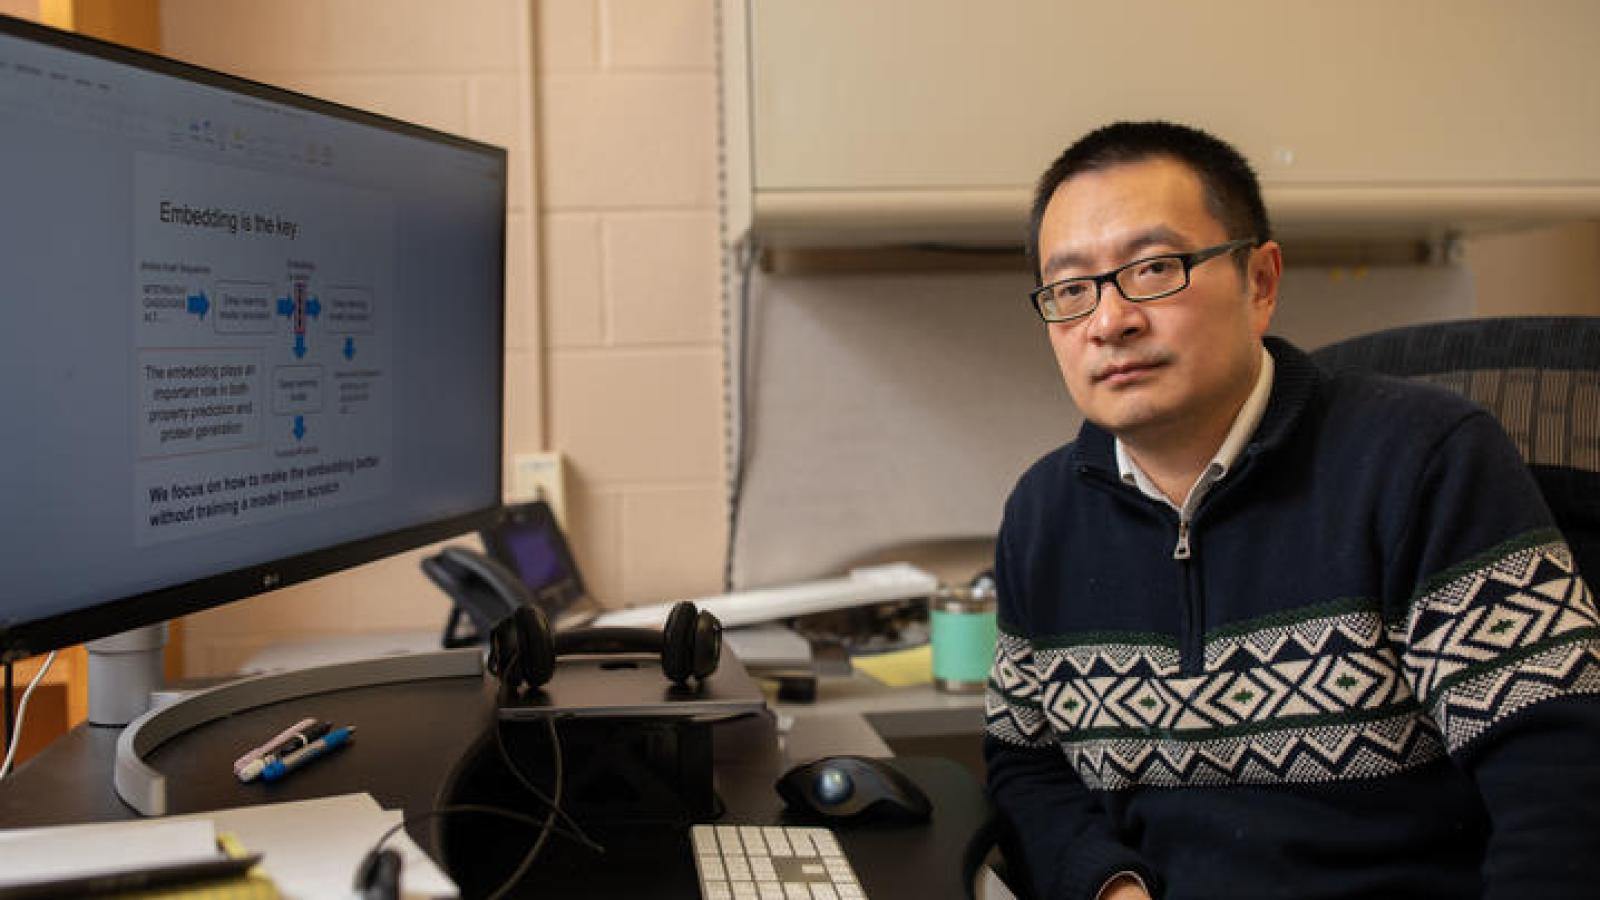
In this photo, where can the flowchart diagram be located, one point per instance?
(260, 348)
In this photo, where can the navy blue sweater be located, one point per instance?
(1377, 674)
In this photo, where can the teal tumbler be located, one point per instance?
(962, 622)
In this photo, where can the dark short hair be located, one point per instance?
(1232, 193)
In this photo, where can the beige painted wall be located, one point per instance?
(464, 67)
(620, 368)
(628, 186)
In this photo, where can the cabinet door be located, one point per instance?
(909, 95)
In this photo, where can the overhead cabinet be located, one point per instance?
(890, 120)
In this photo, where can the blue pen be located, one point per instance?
(294, 742)
(283, 766)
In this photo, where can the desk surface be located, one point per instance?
(916, 711)
(409, 739)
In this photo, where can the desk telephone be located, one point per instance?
(483, 588)
(527, 561)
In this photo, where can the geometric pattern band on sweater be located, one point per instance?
(1333, 694)
(1526, 606)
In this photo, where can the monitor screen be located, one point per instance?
(249, 337)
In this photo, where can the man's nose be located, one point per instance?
(1116, 318)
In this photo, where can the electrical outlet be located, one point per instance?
(540, 476)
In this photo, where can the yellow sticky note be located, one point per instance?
(898, 668)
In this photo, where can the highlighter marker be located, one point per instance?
(295, 742)
(284, 765)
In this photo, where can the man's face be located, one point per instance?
(1154, 372)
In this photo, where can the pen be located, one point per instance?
(295, 742)
(272, 746)
(284, 765)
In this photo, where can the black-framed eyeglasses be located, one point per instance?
(1150, 278)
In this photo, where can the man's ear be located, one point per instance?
(1262, 278)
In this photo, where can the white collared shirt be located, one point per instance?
(1244, 425)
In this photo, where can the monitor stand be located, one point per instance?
(125, 671)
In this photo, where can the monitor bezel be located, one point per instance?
(30, 638)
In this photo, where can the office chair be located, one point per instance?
(1540, 376)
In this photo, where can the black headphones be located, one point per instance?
(522, 646)
(523, 651)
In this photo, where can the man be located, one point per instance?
(1267, 631)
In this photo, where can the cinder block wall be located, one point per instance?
(464, 67)
(614, 346)
(628, 219)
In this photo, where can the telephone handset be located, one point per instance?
(488, 591)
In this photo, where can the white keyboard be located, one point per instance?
(765, 862)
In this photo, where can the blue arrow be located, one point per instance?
(198, 304)
(299, 345)
(299, 427)
(285, 306)
(313, 307)
(349, 348)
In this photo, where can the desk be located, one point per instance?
(856, 714)
(411, 736)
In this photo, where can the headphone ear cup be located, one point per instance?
(536, 646)
(707, 644)
(678, 642)
(521, 653)
(503, 648)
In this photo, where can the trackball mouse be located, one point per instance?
(855, 788)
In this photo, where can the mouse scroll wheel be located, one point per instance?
(833, 786)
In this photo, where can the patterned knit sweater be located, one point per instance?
(1376, 675)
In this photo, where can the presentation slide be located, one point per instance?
(239, 332)
(262, 346)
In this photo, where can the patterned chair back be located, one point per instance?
(1540, 376)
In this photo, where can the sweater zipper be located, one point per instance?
(1191, 652)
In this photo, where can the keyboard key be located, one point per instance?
(777, 841)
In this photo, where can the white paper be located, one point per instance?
(310, 848)
(35, 855)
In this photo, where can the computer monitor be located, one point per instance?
(249, 337)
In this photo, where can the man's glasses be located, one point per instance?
(1150, 278)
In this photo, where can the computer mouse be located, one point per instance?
(854, 788)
